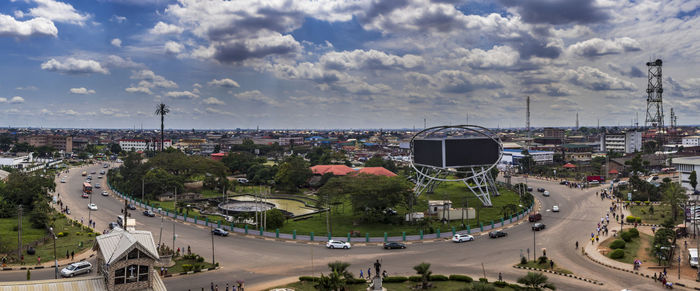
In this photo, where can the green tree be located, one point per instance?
(332, 282)
(22, 147)
(636, 165)
(342, 268)
(162, 110)
(693, 179)
(275, 218)
(536, 281)
(674, 197)
(261, 174)
(240, 161)
(292, 174)
(423, 269)
(158, 181)
(115, 148)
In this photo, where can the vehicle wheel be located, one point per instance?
(71, 275)
(403, 247)
(345, 247)
(332, 247)
(386, 248)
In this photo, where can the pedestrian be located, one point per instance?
(664, 271)
(596, 238)
(189, 251)
(551, 265)
(216, 288)
(653, 230)
(72, 255)
(226, 286)
(38, 260)
(361, 275)
(212, 286)
(21, 258)
(67, 255)
(577, 245)
(500, 277)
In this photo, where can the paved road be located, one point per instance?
(265, 263)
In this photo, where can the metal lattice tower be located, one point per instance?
(655, 108)
(527, 122)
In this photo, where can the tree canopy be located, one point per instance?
(293, 173)
(369, 195)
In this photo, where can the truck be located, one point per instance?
(84, 173)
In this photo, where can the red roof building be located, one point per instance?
(337, 170)
(217, 156)
(379, 171)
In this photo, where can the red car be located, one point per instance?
(85, 195)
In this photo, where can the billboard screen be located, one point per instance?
(427, 152)
(467, 152)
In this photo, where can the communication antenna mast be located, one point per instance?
(576, 120)
(527, 122)
(655, 108)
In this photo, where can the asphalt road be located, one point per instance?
(264, 263)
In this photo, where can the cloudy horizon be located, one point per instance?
(343, 64)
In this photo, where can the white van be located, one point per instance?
(693, 257)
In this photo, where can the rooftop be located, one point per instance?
(687, 160)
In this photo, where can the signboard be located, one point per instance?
(455, 152)
(595, 178)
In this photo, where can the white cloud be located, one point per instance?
(113, 112)
(213, 101)
(149, 79)
(182, 95)
(497, 57)
(82, 91)
(226, 82)
(74, 66)
(13, 100)
(218, 111)
(172, 47)
(117, 19)
(371, 60)
(27, 88)
(117, 61)
(58, 11)
(69, 112)
(595, 79)
(116, 42)
(143, 90)
(39, 26)
(164, 28)
(255, 96)
(598, 47)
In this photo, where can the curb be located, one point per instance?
(561, 274)
(43, 267)
(190, 272)
(631, 271)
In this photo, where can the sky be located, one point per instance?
(343, 64)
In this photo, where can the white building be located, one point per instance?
(628, 142)
(143, 144)
(685, 166)
(690, 141)
(512, 157)
(16, 162)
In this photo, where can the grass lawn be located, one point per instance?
(661, 213)
(70, 242)
(632, 248)
(179, 261)
(343, 220)
(534, 264)
(406, 286)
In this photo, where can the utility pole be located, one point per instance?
(143, 183)
(19, 231)
(55, 273)
(161, 230)
(212, 244)
(534, 247)
(173, 236)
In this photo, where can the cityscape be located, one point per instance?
(349, 145)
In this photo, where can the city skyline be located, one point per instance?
(354, 64)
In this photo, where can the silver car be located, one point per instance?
(76, 269)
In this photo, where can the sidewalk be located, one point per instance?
(645, 271)
(62, 261)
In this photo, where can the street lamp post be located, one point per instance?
(534, 247)
(55, 274)
(213, 261)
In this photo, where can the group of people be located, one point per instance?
(236, 286)
(661, 277)
(369, 274)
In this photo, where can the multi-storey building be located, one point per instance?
(143, 144)
(61, 143)
(627, 142)
(690, 141)
(685, 166)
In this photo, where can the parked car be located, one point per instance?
(92, 206)
(99, 177)
(85, 195)
(458, 238)
(219, 231)
(113, 224)
(337, 244)
(63, 180)
(616, 180)
(242, 180)
(555, 208)
(538, 226)
(529, 189)
(98, 185)
(104, 193)
(93, 172)
(497, 234)
(545, 193)
(149, 213)
(394, 245)
(564, 182)
(534, 217)
(540, 189)
(76, 269)
(131, 206)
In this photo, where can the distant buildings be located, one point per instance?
(690, 141)
(627, 142)
(513, 157)
(143, 144)
(685, 166)
(61, 143)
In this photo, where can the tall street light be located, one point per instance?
(55, 274)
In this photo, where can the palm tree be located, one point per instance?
(341, 268)
(333, 282)
(423, 269)
(674, 196)
(162, 110)
(536, 281)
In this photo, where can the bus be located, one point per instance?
(87, 188)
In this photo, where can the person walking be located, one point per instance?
(38, 260)
(211, 286)
(500, 277)
(72, 255)
(369, 272)
(577, 245)
(361, 275)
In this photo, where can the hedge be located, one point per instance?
(415, 278)
(630, 219)
(461, 278)
(617, 254)
(395, 279)
(500, 284)
(634, 232)
(626, 236)
(483, 280)
(638, 220)
(187, 267)
(438, 278)
(308, 278)
(617, 244)
(357, 281)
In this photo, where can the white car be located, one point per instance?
(104, 193)
(555, 208)
(545, 194)
(458, 238)
(337, 244)
(63, 180)
(92, 206)
(76, 269)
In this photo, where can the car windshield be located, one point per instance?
(71, 267)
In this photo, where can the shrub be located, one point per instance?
(415, 278)
(60, 234)
(438, 278)
(479, 286)
(187, 267)
(542, 260)
(396, 279)
(501, 284)
(630, 219)
(483, 280)
(617, 254)
(626, 236)
(197, 267)
(200, 259)
(617, 244)
(647, 202)
(461, 278)
(78, 233)
(357, 281)
(634, 232)
(638, 219)
(308, 279)
(523, 261)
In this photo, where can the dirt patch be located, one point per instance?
(644, 251)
